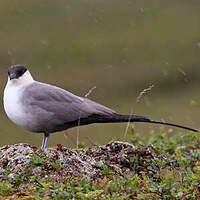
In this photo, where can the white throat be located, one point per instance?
(22, 80)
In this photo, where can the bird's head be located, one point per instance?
(19, 75)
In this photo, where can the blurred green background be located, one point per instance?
(119, 46)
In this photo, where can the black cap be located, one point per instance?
(15, 71)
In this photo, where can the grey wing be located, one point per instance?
(53, 108)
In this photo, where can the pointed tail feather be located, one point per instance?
(175, 125)
(136, 118)
(114, 118)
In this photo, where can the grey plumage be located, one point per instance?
(52, 108)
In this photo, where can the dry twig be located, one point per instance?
(144, 92)
(79, 118)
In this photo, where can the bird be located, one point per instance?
(43, 108)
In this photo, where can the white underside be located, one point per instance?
(11, 99)
(13, 107)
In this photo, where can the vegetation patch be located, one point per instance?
(165, 167)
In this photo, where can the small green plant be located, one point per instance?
(36, 160)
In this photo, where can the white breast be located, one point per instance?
(13, 107)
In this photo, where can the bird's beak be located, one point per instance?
(12, 76)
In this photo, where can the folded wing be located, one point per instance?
(54, 108)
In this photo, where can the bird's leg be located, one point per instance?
(45, 140)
